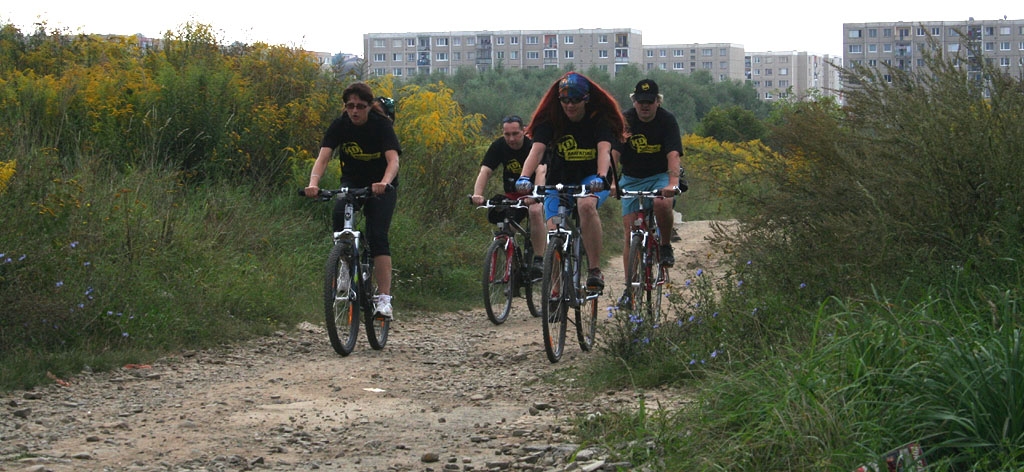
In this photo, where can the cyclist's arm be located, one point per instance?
(673, 170)
(604, 157)
(541, 175)
(389, 173)
(319, 167)
(481, 183)
(533, 160)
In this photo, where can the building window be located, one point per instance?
(570, 55)
(1004, 46)
(854, 34)
(678, 53)
(410, 57)
(456, 56)
(920, 32)
(567, 39)
(380, 57)
(723, 52)
(663, 66)
(441, 56)
(1004, 61)
(706, 52)
(501, 55)
(990, 46)
(872, 33)
(872, 48)
(397, 72)
(783, 84)
(887, 47)
(396, 57)
(410, 42)
(500, 40)
(513, 40)
(380, 72)
(532, 40)
(767, 72)
(602, 38)
(1021, 46)
(550, 54)
(649, 53)
(783, 71)
(723, 65)
(532, 55)
(603, 54)
(470, 41)
(513, 55)
(887, 33)
(622, 53)
(396, 43)
(677, 66)
(936, 31)
(378, 43)
(767, 83)
(706, 65)
(456, 41)
(441, 42)
(856, 49)
(662, 53)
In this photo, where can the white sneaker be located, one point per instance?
(383, 307)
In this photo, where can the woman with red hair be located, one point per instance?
(578, 121)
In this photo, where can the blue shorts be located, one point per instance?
(654, 182)
(551, 200)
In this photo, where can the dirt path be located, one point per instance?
(450, 391)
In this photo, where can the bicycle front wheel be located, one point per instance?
(340, 307)
(555, 289)
(497, 280)
(531, 285)
(586, 313)
(377, 327)
(654, 274)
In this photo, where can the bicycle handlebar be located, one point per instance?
(505, 202)
(356, 192)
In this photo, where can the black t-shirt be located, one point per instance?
(574, 153)
(511, 161)
(645, 151)
(362, 148)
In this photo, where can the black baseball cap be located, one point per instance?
(646, 91)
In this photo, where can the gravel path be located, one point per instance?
(450, 391)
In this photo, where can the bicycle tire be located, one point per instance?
(653, 284)
(586, 313)
(497, 280)
(634, 275)
(341, 313)
(554, 310)
(531, 286)
(377, 327)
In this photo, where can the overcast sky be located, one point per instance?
(338, 26)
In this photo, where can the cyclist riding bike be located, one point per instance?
(510, 152)
(650, 161)
(369, 151)
(577, 121)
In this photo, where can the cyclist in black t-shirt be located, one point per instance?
(369, 151)
(510, 152)
(650, 161)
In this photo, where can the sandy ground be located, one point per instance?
(450, 391)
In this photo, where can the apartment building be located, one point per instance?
(405, 54)
(900, 44)
(792, 74)
(722, 60)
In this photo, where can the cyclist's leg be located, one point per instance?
(590, 224)
(378, 212)
(630, 208)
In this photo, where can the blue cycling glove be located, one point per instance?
(598, 184)
(524, 185)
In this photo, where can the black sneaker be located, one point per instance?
(675, 236)
(667, 259)
(537, 268)
(595, 281)
(625, 301)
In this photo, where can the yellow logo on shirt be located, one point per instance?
(639, 143)
(353, 150)
(569, 149)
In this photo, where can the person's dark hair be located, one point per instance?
(364, 93)
(600, 104)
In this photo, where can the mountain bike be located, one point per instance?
(645, 276)
(563, 283)
(349, 286)
(507, 262)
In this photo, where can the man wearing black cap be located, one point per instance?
(650, 161)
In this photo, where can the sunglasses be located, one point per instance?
(358, 106)
(571, 100)
(512, 119)
(644, 102)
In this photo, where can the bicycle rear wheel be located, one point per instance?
(377, 327)
(634, 275)
(341, 309)
(497, 280)
(554, 288)
(586, 313)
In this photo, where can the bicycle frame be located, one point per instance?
(645, 231)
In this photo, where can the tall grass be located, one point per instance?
(872, 299)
